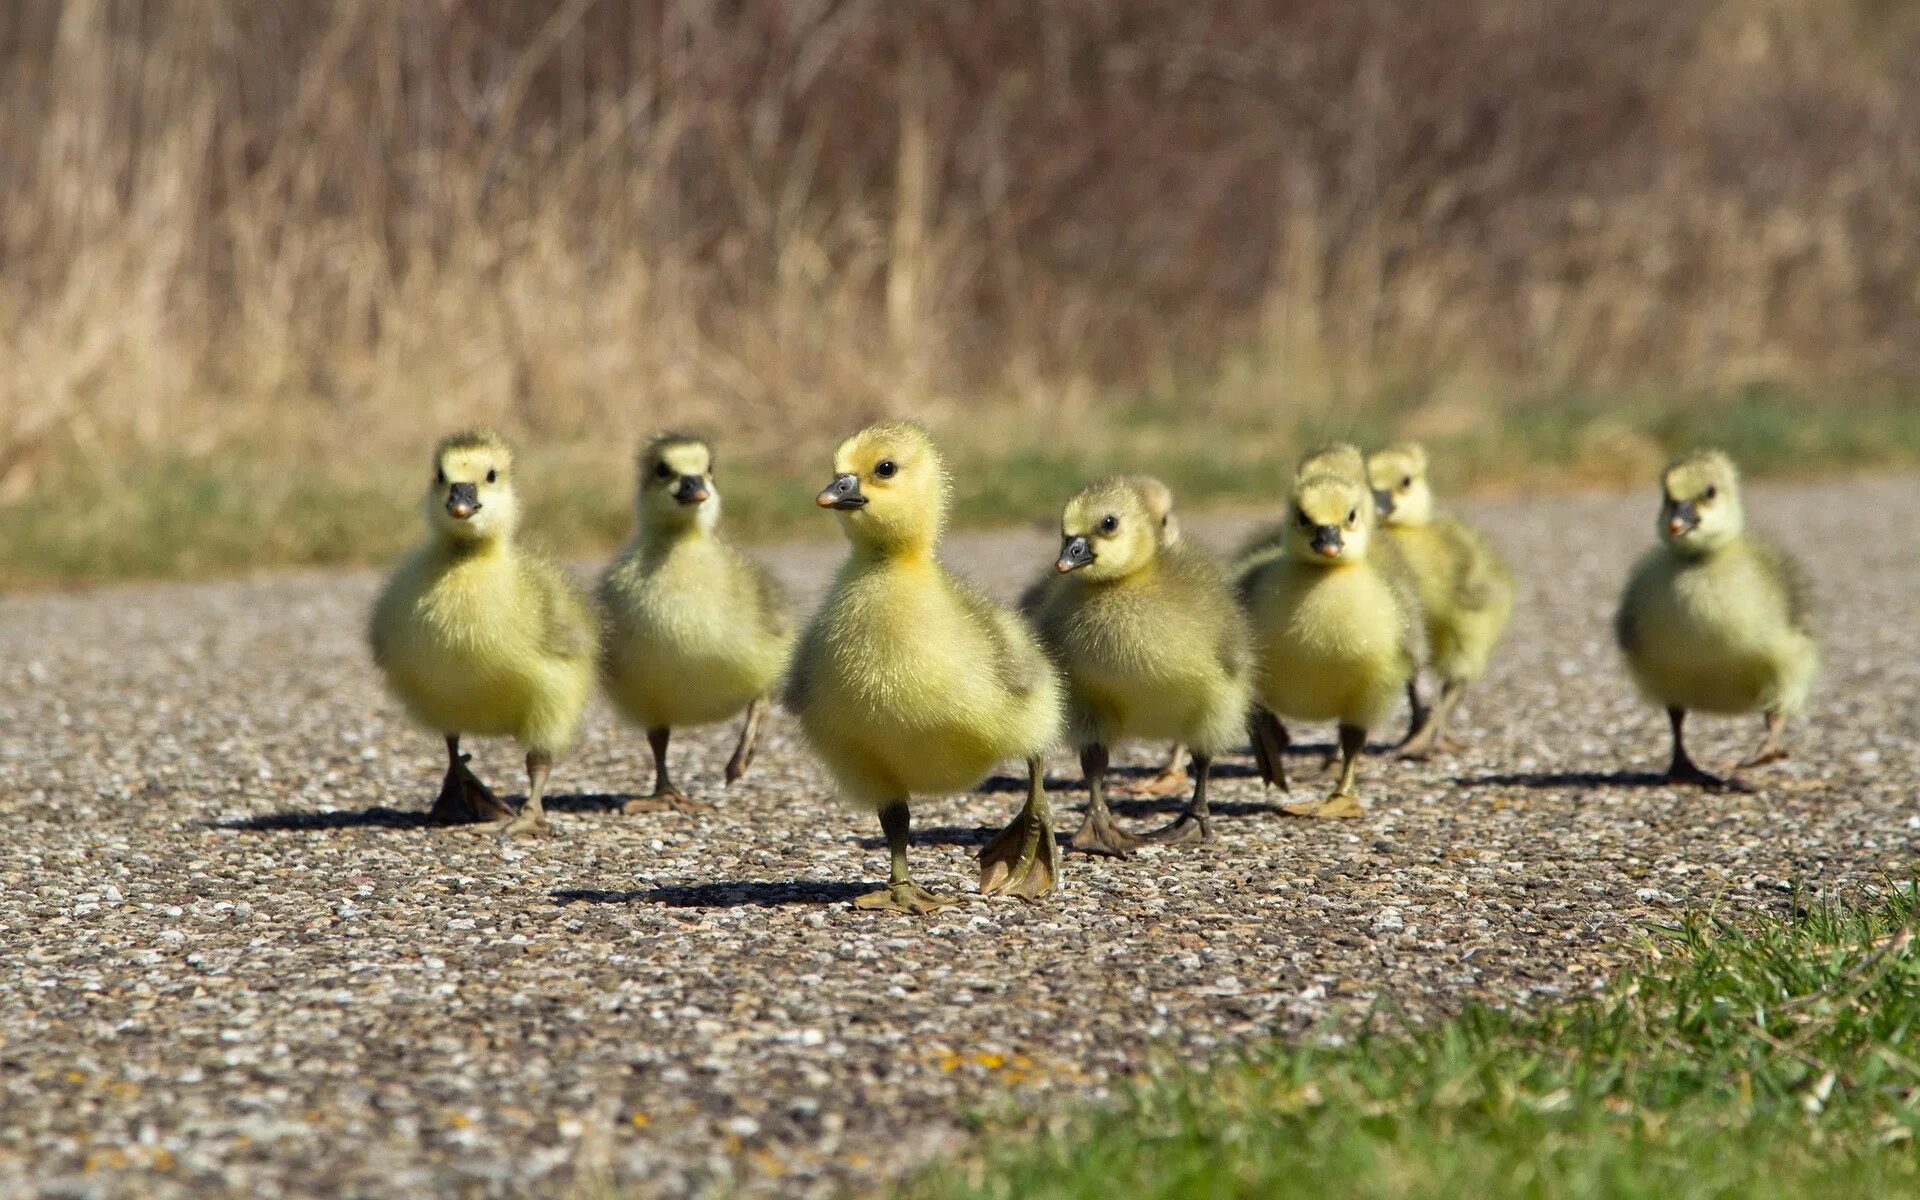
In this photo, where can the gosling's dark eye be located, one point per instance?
(492, 475)
(440, 475)
(1109, 523)
(1301, 516)
(886, 468)
(1710, 492)
(1406, 481)
(662, 470)
(1353, 514)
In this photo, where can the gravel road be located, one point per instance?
(233, 960)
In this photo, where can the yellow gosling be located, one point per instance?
(1465, 591)
(1171, 778)
(910, 682)
(1153, 643)
(478, 636)
(1714, 618)
(1333, 632)
(692, 630)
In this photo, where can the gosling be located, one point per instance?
(478, 636)
(1158, 497)
(1332, 631)
(1465, 591)
(909, 681)
(692, 630)
(1153, 644)
(1715, 619)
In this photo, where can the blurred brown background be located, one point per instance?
(282, 240)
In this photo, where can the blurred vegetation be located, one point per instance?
(256, 258)
(1766, 1059)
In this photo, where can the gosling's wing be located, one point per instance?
(1792, 582)
(1626, 619)
(1477, 574)
(564, 621)
(1018, 661)
(772, 607)
(1204, 591)
(1261, 541)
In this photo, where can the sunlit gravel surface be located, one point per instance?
(234, 961)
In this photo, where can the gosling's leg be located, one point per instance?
(1170, 780)
(1770, 751)
(749, 739)
(665, 795)
(1192, 825)
(533, 814)
(1683, 769)
(1098, 834)
(902, 894)
(1417, 713)
(1270, 741)
(1344, 801)
(1431, 732)
(463, 799)
(1022, 859)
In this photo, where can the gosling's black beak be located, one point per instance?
(1326, 540)
(463, 500)
(1075, 552)
(843, 493)
(1383, 502)
(692, 490)
(1682, 516)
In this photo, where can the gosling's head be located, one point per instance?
(676, 483)
(1400, 488)
(1108, 531)
(471, 499)
(1333, 458)
(1332, 520)
(889, 486)
(1158, 498)
(1700, 502)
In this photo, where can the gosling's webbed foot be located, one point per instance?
(905, 897)
(1186, 829)
(527, 823)
(1764, 756)
(1098, 834)
(1338, 806)
(670, 799)
(1022, 860)
(464, 800)
(1170, 780)
(1421, 743)
(1686, 773)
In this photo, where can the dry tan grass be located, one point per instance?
(282, 233)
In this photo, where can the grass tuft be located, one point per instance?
(1774, 1058)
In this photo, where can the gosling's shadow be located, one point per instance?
(381, 817)
(940, 835)
(1149, 806)
(361, 818)
(1567, 779)
(587, 802)
(764, 894)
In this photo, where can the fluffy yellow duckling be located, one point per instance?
(1153, 643)
(1466, 592)
(1714, 618)
(1332, 630)
(1158, 497)
(692, 630)
(909, 681)
(476, 635)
